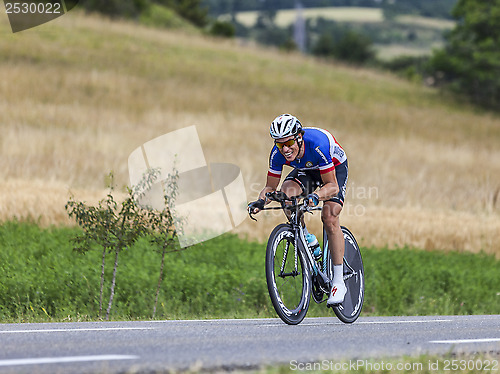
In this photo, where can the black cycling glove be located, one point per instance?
(259, 204)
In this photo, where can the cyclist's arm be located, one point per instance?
(271, 185)
(330, 187)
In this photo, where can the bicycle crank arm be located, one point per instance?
(323, 281)
(349, 275)
(292, 274)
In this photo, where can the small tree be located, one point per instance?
(354, 47)
(223, 29)
(350, 46)
(162, 224)
(325, 46)
(112, 226)
(115, 227)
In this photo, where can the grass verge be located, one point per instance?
(42, 279)
(487, 362)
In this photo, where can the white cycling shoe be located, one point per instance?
(337, 294)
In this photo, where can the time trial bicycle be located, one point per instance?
(294, 271)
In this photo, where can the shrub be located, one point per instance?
(224, 29)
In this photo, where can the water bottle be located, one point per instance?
(318, 253)
(314, 246)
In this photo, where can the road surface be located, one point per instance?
(149, 346)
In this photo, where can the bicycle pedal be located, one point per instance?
(332, 305)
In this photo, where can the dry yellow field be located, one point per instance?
(434, 23)
(79, 94)
(287, 17)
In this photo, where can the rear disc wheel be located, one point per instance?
(354, 278)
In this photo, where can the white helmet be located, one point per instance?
(285, 125)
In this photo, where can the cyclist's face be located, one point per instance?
(289, 147)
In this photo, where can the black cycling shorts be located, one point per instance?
(310, 180)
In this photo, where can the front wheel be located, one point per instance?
(288, 277)
(354, 278)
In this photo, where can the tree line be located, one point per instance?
(427, 8)
(191, 10)
(469, 64)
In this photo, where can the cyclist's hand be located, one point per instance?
(312, 199)
(256, 206)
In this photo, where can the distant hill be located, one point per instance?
(408, 35)
(79, 94)
(426, 8)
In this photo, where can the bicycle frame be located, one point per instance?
(300, 242)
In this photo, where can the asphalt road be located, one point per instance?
(146, 347)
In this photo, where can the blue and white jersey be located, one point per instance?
(321, 152)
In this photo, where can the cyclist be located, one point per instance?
(319, 173)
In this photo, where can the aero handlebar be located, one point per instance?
(283, 199)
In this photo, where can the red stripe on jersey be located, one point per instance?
(271, 174)
(327, 170)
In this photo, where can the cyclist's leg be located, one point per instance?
(331, 222)
(330, 216)
(336, 245)
(336, 242)
(291, 188)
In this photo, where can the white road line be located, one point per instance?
(464, 341)
(76, 330)
(209, 320)
(397, 322)
(364, 322)
(60, 360)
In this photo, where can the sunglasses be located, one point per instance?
(288, 143)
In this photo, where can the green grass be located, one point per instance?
(423, 364)
(416, 282)
(42, 279)
(161, 16)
